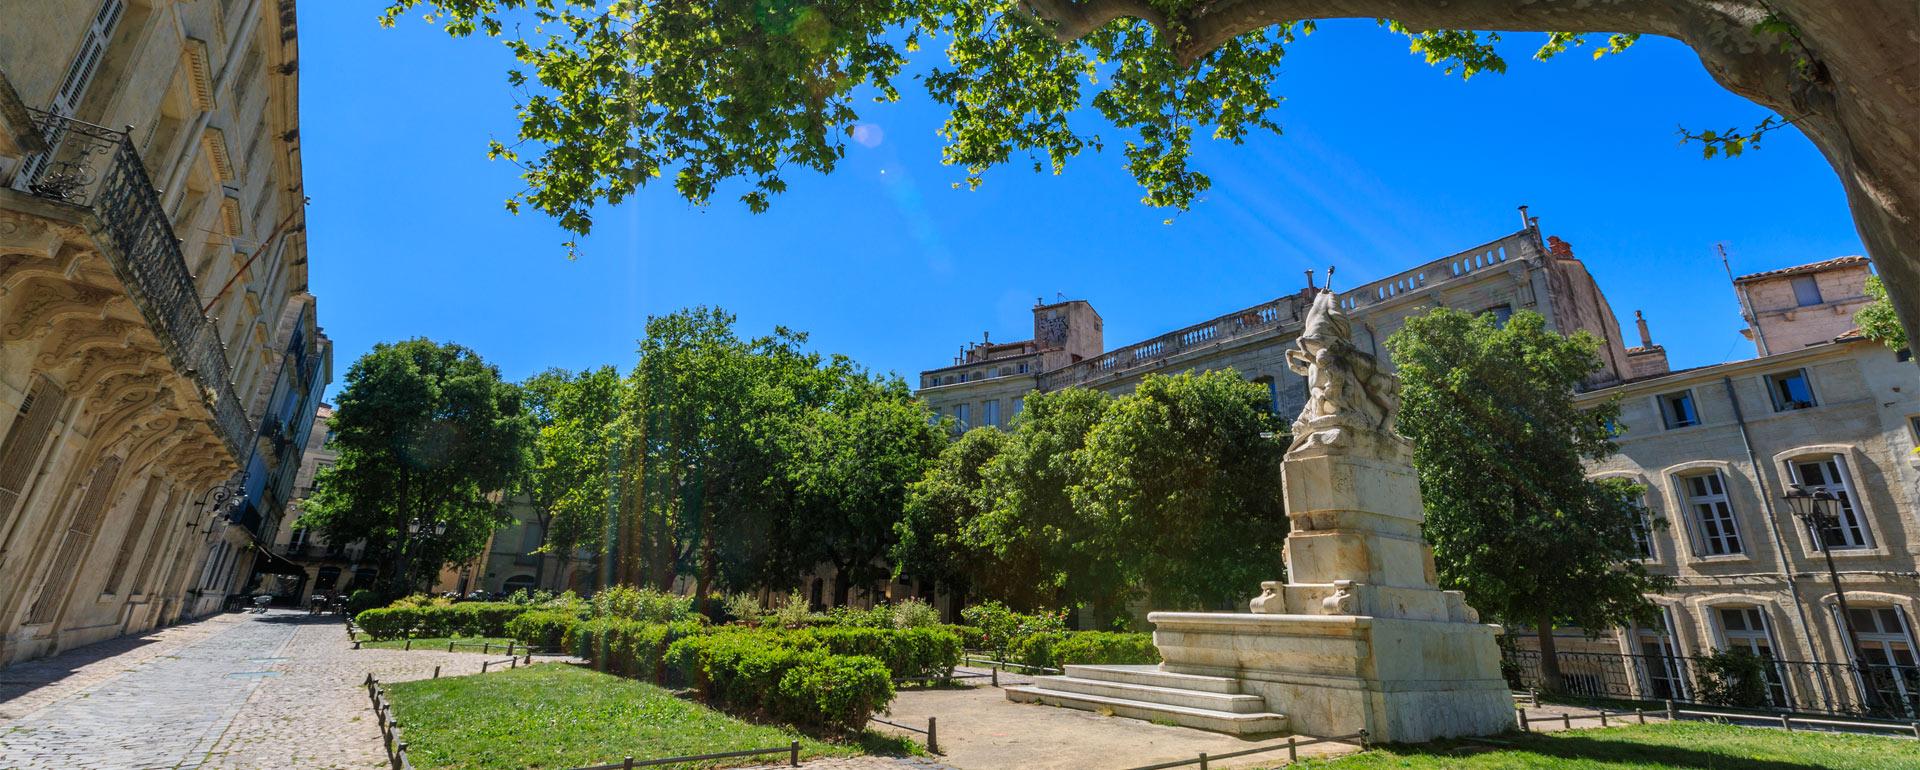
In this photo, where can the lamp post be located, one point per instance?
(1815, 510)
(414, 528)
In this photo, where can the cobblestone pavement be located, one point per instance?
(279, 690)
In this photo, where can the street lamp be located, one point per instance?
(1815, 510)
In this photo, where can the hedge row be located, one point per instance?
(1055, 649)
(908, 653)
(795, 683)
(463, 619)
(629, 648)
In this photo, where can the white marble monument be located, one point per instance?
(1360, 637)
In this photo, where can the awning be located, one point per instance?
(267, 562)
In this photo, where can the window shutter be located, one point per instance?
(80, 74)
(20, 451)
(73, 547)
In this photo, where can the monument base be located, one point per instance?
(1403, 681)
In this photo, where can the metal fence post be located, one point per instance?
(483, 665)
(1566, 721)
(933, 735)
(629, 763)
(1916, 730)
(409, 643)
(1521, 711)
(1640, 714)
(1203, 760)
(1293, 752)
(1785, 723)
(449, 645)
(513, 663)
(436, 672)
(793, 757)
(1535, 694)
(1603, 717)
(1672, 714)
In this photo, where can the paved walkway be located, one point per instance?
(278, 690)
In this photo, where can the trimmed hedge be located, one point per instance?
(543, 629)
(627, 647)
(908, 653)
(1055, 649)
(796, 683)
(463, 619)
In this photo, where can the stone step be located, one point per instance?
(1203, 719)
(1150, 674)
(1173, 696)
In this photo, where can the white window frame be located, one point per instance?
(1668, 419)
(1883, 641)
(1667, 660)
(1726, 520)
(1749, 638)
(1782, 405)
(1854, 528)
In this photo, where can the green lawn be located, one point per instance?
(1682, 746)
(466, 643)
(553, 715)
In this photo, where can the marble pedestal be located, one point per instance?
(1360, 636)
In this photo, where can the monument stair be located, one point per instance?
(1145, 692)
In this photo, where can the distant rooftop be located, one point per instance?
(1812, 267)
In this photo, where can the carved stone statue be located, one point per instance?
(1346, 389)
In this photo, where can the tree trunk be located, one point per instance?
(1550, 680)
(841, 588)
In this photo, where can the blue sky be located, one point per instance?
(1384, 163)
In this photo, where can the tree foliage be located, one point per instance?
(1190, 465)
(428, 438)
(574, 416)
(1058, 513)
(1501, 452)
(1877, 319)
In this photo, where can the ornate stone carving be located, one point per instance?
(1343, 601)
(1346, 388)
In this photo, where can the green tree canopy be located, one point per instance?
(619, 93)
(1877, 319)
(429, 438)
(1189, 464)
(1501, 452)
(1030, 523)
(574, 418)
(930, 542)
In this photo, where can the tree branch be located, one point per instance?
(1075, 19)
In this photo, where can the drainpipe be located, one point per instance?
(1779, 540)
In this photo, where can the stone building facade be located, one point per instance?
(1717, 448)
(986, 383)
(160, 358)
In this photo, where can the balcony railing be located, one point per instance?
(1289, 311)
(96, 168)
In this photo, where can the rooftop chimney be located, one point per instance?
(1646, 338)
(984, 339)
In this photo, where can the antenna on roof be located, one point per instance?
(1740, 296)
(1059, 297)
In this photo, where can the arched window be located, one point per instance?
(1829, 472)
(1710, 514)
(1745, 627)
(1886, 655)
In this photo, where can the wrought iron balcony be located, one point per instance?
(97, 168)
